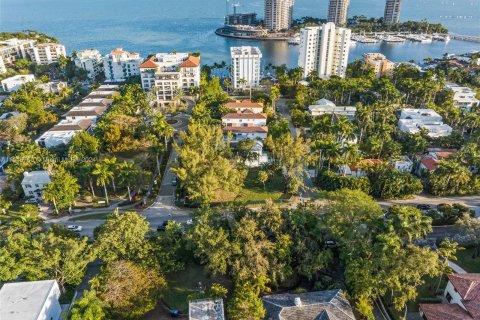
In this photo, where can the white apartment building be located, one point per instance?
(245, 66)
(3, 68)
(34, 183)
(278, 14)
(392, 11)
(13, 49)
(63, 132)
(16, 82)
(324, 106)
(464, 97)
(414, 120)
(30, 300)
(245, 125)
(325, 50)
(91, 61)
(46, 53)
(338, 11)
(380, 64)
(166, 73)
(120, 64)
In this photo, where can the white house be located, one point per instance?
(324, 106)
(14, 83)
(404, 164)
(120, 64)
(260, 157)
(52, 86)
(357, 170)
(47, 53)
(464, 97)
(84, 112)
(245, 125)
(91, 61)
(244, 105)
(166, 73)
(462, 295)
(32, 300)
(34, 183)
(63, 132)
(414, 120)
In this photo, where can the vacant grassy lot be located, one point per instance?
(466, 261)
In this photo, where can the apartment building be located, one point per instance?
(464, 97)
(278, 14)
(392, 11)
(13, 49)
(338, 11)
(165, 73)
(46, 53)
(3, 68)
(91, 61)
(324, 50)
(245, 66)
(380, 64)
(16, 82)
(415, 120)
(120, 64)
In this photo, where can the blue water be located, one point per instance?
(149, 26)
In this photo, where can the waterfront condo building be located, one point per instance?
(324, 50)
(91, 61)
(278, 14)
(245, 66)
(46, 53)
(3, 69)
(13, 49)
(380, 64)
(120, 64)
(338, 11)
(392, 11)
(166, 73)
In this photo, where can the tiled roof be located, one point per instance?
(444, 311)
(89, 112)
(430, 163)
(468, 287)
(317, 305)
(246, 129)
(191, 62)
(149, 63)
(81, 125)
(245, 115)
(243, 104)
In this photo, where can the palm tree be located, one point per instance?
(111, 163)
(126, 173)
(104, 175)
(274, 95)
(227, 83)
(178, 96)
(447, 252)
(50, 195)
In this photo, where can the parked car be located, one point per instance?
(190, 221)
(423, 206)
(75, 228)
(31, 201)
(163, 226)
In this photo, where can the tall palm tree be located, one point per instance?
(127, 173)
(111, 163)
(104, 175)
(227, 83)
(50, 195)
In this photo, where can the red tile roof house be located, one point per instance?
(429, 163)
(463, 296)
(240, 106)
(245, 125)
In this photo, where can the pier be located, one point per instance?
(465, 37)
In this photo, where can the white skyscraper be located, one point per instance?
(46, 53)
(392, 11)
(120, 64)
(91, 61)
(337, 11)
(278, 14)
(245, 66)
(325, 50)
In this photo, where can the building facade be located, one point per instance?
(338, 11)
(3, 68)
(47, 53)
(392, 11)
(245, 66)
(166, 73)
(380, 64)
(91, 61)
(464, 98)
(325, 50)
(13, 49)
(245, 125)
(244, 19)
(34, 183)
(278, 14)
(120, 64)
(16, 82)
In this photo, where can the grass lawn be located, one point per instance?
(466, 261)
(253, 190)
(183, 283)
(93, 216)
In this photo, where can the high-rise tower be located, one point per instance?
(278, 14)
(392, 11)
(337, 11)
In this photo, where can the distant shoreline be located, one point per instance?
(224, 33)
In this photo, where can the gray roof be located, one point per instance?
(24, 300)
(206, 309)
(318, 305)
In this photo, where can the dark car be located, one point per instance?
(163, 226)
(423, 206)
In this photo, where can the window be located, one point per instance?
(448, 297)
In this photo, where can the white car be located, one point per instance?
(74, 228)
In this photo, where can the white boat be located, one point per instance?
(294, 41)
(390, 38)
